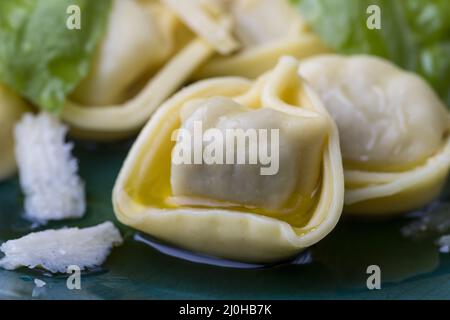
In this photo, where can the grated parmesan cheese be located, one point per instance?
(47, 170)
(55, 250)
(39, 283)
(444, 244)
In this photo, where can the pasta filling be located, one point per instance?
(264, 158)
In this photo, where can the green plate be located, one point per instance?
(333, 269)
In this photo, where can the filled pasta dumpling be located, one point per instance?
(152, 47)
(243, 170)
(263, 30)
(146, 54)
(394, 131)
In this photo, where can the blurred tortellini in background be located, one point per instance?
(263, 29)
(152, 47)
(394, 131)
(107, 78)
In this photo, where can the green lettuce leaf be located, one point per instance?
(415, 34)
(42, 59)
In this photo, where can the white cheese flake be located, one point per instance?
(55, 250)
(47, 169)
(444, 244)
(39, 283)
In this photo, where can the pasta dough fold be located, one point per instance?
(394, 132)
(146, 55)
(265, 30)
(151, 48)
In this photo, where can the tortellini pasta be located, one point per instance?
(394, 131)
(12, 107)
(138, 40)
(247, 211)
(146, 55)
(151, 48)
(265, 30)
(209, 19)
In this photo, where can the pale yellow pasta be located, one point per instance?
(151, 48)
(394, 131)
(266, 30)
(216, 210)
(146, 55)
(209, 19)
(139, 39)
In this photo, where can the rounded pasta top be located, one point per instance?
(394, 131)
(388, 119)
